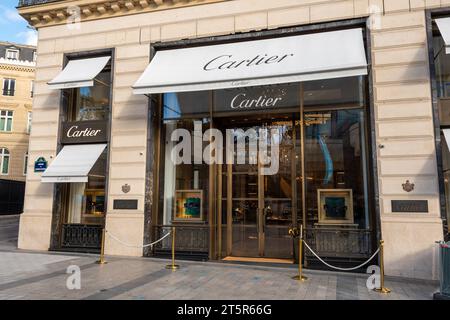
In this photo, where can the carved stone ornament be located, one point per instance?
(408, 186)
(126, 188)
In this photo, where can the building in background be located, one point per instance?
(353, 88)
(17, 72)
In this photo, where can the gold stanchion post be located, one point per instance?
(300, 276)
(382, 288)
(102, 250)
(173, 266)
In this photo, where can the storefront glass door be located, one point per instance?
(260, 207)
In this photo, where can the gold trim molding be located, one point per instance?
(54, 13)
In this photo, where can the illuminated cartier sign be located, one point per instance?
(256, 99)
(84, 132)
(242, 101)
(74, 132)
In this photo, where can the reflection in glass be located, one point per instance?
(256, 211)
(92, 103)
(342, 92)
(185, 105)
(184, 176)
(86, 201)
(442, 70)
(244, 230)
(442, 66)
(334, 159)
(261, 207)
(446, 171)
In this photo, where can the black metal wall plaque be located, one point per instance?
(84, 132)
(410, 206)
(125, 204)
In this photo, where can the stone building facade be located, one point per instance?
(404, 147)
(17, 69)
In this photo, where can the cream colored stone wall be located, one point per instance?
(404, 124)
(35, 222)
(16, 141)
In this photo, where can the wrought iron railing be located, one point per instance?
(9, 93)
(189, 238)
(81, 236)
(25, 3)
(339, 243)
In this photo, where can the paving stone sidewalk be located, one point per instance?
(25, 275)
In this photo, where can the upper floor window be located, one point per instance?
(30, 116)
(12, 54)
(32, 88)
(9, 87)
(6, 119)
(91, 103)
(34, 56)
(4, 161)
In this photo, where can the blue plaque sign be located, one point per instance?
(40, 165)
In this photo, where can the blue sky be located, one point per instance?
(13, 27)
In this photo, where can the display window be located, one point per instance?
(320, 179)
(84, 136)
(86, 201)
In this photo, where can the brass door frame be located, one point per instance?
(260, 228)
(219, 211)
(294, 173)
(302, 154)
(229, 209)
(260, 221)
(211, 193)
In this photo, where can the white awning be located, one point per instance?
(73, 163)
(315, 56)
(79, 73)
(444, 27)
(447, 137)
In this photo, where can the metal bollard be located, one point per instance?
(173, 266)
(300, 276)
(382, 288)
(102, 250)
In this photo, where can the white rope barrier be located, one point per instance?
(134, 246)
(307, 246)
(338, 268)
